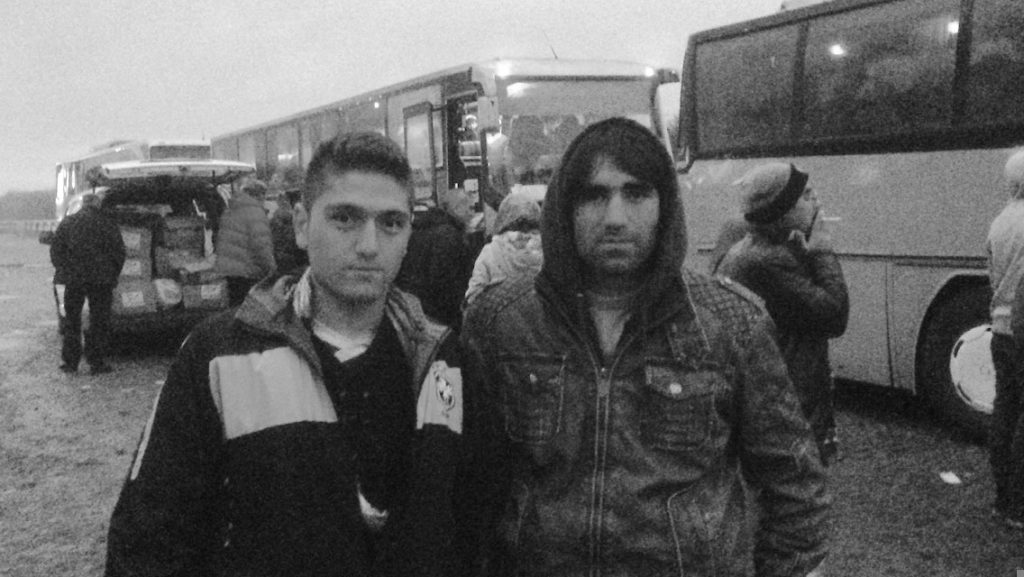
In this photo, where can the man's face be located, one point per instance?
(616, 221)
(801, 216)
(356, 234)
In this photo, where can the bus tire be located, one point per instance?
(954, 364)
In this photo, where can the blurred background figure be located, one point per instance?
(87, 253)
(732, 231)
(788, 260)
(1005, 246)
(244, 246)
(514, 250)
(439, 261)
(287, 254)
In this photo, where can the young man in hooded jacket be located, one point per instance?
(627, 400)
(316, 429)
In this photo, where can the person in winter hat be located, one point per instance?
(514, 250)
(787, 259)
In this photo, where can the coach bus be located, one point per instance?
(73, 175)
(904, 113)
(492, 126)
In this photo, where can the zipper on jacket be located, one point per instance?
(604, 383)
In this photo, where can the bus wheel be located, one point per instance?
(954, 368)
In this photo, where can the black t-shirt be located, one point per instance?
(374, 398)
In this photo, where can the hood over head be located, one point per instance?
(633, 149)
(515, 208)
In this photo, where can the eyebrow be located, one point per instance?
(334, 209)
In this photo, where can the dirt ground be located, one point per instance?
(66, 444)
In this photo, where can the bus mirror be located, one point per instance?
(666, 103)
(487, 113)
(683, 161)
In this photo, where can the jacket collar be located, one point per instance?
(271, 308)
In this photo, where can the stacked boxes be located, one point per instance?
(184, 233)
(211, 295)
(132, 297)
(185, 241)
(175, 247)
(138, 245)
(135, 293)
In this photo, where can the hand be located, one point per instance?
(820, 238)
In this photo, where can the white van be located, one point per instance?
(167, 211)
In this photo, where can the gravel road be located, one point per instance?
(66, 443)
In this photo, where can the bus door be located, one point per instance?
(465, 149)
(422, 142)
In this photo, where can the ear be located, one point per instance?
(300, 224)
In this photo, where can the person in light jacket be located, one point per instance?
(1005, 246)
(514, 250)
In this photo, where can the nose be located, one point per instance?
(615, 211)
(366, 243)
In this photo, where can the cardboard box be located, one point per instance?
(210, 296)
(169, 262)
(138, 241)
(132, 297)
(137, 268)
(185, 233)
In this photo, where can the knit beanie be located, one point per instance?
(770, 190)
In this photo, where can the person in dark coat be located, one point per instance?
(287, 254)
(315, 430)
(788, 260)
(87, 253)
(440, 259)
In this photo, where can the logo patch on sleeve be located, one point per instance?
(440, 401)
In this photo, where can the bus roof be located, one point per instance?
(218, 170)
(483, 72)
(784, 16)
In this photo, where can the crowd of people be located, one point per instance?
(395, 392)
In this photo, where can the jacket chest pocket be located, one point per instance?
(532, 396)
(683, 407)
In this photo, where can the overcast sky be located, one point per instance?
(75, 74)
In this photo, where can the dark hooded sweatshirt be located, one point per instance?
(634, 464)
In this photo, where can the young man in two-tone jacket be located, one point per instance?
(316, 429)
(631, 403)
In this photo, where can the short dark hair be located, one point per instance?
(356, 151)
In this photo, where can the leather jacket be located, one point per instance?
(638, 462)
(638, 465)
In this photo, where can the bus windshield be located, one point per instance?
(540, 118)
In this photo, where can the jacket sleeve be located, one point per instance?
(261, 242)
(422, 539)
(117, 251)
(164, 520)
(779, 457)
(59, 252)
(486, 472)
(481, 276)
(817, 303)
